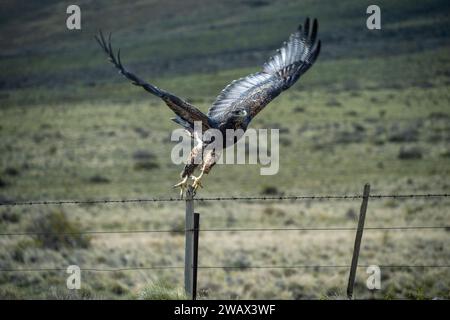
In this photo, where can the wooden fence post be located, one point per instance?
(359, 233)
(195, 255)
(189, 241)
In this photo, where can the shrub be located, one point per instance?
(55, 293)
(285, 141)
(269, 211)
(351, 214)
(162, 291)
(333, 102)
(177, 225)
(3, 183)
(410, 153)
(10, 171)
(119, 289)
(8, 216)
(409, 134)
(56, 231)
(99, 179)
(351, 113)
(146, 165)
(445, 154)
(145, 160)
(344, 137)
(10, 293)
(143, 155)
(18, 251)
(438, 115)
(270, 191)
(142, 132)
(240, 260)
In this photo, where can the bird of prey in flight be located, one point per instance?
(239, 102)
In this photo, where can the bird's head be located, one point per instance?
(240, 118)
(239, 113)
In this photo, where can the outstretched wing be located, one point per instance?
(255, 91)
(186, 113)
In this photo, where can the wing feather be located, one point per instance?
(279, 73)
(186, 112)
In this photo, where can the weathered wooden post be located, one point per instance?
(359, 233)
(189, 241)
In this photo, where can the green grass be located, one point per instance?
(71, 128)
(161, 291)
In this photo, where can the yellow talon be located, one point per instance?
(183, 185)
(197, 183)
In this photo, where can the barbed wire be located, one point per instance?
(399, 228)
(321, 266)
(230, 198)
(326, 197)
(219, 267)
(97, 201)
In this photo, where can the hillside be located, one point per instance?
(172, 38)
(374, 108)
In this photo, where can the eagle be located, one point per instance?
(238, 103)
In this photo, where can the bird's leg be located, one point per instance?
(183, 185)
(209, 161)
(197, 183)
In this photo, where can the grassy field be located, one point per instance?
(374, 108)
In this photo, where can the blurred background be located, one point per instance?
(374, 108)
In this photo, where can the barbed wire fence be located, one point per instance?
(192, 230)
(248, 198)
